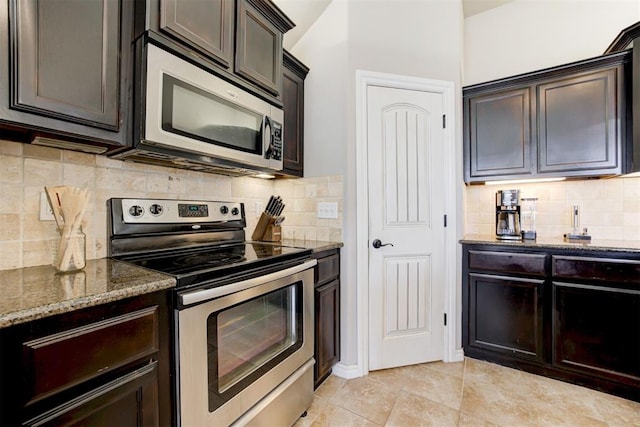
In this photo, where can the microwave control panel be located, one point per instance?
(276, 147)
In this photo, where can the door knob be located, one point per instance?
(378, 244)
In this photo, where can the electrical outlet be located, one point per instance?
(259, 209)
(328, 210)
(46, 214)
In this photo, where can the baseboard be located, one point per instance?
(346, 371)
(458, 356)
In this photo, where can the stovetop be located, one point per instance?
(200, 243)
(218, 262)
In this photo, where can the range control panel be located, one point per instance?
(159, 211)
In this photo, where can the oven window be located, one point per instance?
(192, 112)
(247, 340)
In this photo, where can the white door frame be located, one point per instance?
(446, 88)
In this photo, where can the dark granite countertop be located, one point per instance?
(557, 243)
(32, 293)
(314, 245)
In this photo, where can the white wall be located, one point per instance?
(324, 50)
(528, 35)
(421, 38)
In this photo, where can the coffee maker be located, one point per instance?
(508, 215)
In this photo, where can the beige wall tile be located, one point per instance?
(33, 242)
(75, 175)
(78, 157)
(11, 197)
(42, 172)
(10, 255)
(40, 152)
(12, 169)
(10, 227)
(609, 208)
(38, 252)
(10, 147)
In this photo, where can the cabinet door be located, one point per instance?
(498, 135)
(579, 128)
(67, 60)
(258, 49)
(68, 71)
(131, 400)
(596, 330)
(293, 105)
(327, 329)
(506, 315)
(206, 25)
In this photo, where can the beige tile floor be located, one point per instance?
(465, 394)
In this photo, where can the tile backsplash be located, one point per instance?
(26, 169)
(609, 208)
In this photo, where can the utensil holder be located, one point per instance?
(72, 251)
(266, 230)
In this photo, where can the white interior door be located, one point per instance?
(405, 145)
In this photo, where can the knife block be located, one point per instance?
(266, 230)
(272, 234)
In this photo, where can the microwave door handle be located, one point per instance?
(267, 137)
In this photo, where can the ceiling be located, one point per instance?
(305, 12)
(473, 7)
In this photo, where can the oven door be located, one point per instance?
(190, 109)
(238, 343)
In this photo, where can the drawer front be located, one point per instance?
(62, 360)
(508, 262)
(619, 271)
(328, 268)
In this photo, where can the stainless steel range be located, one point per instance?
(243, 311)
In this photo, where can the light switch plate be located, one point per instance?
(45, 210)
(328, 210)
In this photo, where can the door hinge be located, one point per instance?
(445, 220)
(444, 121)
(445, 319)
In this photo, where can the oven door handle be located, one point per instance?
(208, 294)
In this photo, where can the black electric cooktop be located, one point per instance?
(219, 262)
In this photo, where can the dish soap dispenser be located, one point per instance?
(575, 233)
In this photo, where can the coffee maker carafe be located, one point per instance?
(508, 215)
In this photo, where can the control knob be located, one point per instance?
(235, 211)
(224, 210)
(136, 211)
(155, 209)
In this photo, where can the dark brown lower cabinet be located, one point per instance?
(573, 314)
(131, 400)
(507, 315)
(597, 329)
(106, 365)
(327, 314)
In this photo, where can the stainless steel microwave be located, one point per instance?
(191, 118)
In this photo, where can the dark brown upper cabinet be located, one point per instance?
(569, 121)
(293, 104)
(259, 32)
(239, 40)
(206, 26)
(499, 133)
(69, 68)
(578, 123)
